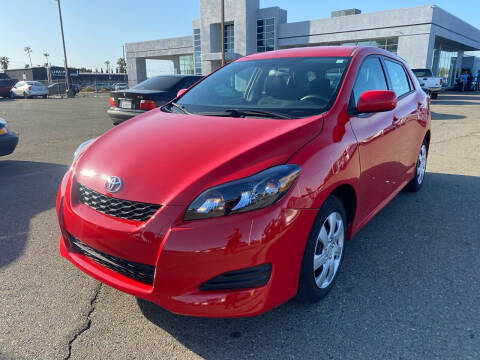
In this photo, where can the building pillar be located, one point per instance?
(136, 70)
(176, 65)
(459, 63)
(417, 50)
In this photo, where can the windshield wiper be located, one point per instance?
(179, 107)
(248, 112)
(253, 112)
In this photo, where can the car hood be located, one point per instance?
(169, 159)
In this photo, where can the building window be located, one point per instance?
(197, 52)
(265, 35)
(229, 38)
(389, 44)
(186, 64)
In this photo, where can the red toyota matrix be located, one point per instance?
(241, 193)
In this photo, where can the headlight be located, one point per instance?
(79, 149)
(3, 130)
(251, 193)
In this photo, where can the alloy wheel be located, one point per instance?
(328, 250)
(421, 163)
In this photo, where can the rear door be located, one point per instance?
(379, 148)
(405, 118)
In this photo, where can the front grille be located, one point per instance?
(124, 209)
(136, 271)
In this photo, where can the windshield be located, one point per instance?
(289, 87)
(161, 83)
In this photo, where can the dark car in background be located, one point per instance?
(147, 95)
(6, 86)
(8, 139)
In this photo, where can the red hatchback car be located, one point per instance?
(242, 192)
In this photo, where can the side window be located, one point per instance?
(370, 77)
(398, 77)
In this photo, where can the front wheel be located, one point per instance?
(420, 169)
(324, 251)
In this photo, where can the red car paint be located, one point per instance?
(169, 159)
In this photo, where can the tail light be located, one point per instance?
(112, 101)
(441, 81)
(147, 105)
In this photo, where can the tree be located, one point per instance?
(28, 50)
(122, 65)
(107, 63)
(4, 61)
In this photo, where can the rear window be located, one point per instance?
(422, 72)
(6, 82)
(162, 83)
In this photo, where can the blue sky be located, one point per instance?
(96, 30)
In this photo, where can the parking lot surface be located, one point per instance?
(409, 287)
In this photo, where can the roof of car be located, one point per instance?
(320, 51)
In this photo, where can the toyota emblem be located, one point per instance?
(113, 184)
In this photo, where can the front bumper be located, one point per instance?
(8, 143)
(119, 115)
(186, 255)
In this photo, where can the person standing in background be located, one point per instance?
(463, 80)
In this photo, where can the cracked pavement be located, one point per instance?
(408, 289)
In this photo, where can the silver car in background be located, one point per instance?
(28, 89)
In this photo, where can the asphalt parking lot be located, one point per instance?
(409, 287)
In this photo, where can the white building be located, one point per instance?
(425, 36)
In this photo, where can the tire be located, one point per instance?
(433, 95)
(44, 96)
(314, 284)
(420, 169)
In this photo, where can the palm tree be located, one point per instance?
(107, 63)
(122, 65)
(4, 61)
(28, 50)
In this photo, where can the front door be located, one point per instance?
(379, 148)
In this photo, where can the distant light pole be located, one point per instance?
(64, 50)
(46, 54)
(222, 11)
(28, 50)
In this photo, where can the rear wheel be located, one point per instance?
(420, 169)
(434, 95)
(324, 251)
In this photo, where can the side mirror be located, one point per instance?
(376, 101)
(181, 92)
